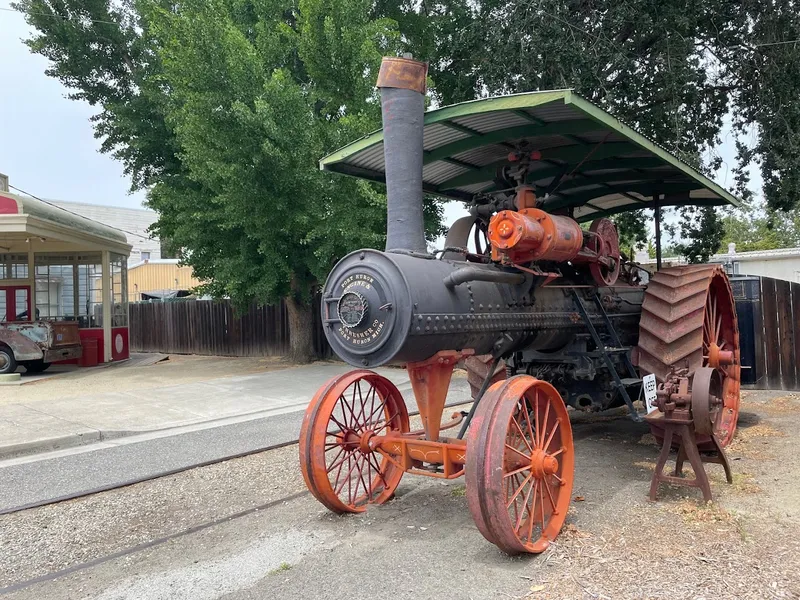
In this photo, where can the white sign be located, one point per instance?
(649, 385)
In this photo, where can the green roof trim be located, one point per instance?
(586, 153)
(606, 119)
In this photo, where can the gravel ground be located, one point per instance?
(122, 377)
(615, 544)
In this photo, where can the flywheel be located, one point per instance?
(689, 321)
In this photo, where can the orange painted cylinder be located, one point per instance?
(532, 234)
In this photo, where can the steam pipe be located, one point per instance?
(402, 85)
(478, 274)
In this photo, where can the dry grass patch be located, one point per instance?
(782, 405)
(571, 532)
(753, 441)
(701, 513)
(648, 439)
(743, 483)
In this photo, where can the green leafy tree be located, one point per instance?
(632, 231)
(222, 108)
(701, 230)
(672, 69)
(755, 227)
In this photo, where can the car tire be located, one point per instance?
(8, 364)
(36, 366)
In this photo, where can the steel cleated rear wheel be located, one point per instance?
(338, 458)
(689, 321)
(520, 465)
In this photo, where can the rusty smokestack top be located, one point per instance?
(402, 85)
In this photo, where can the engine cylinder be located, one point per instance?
(532, 234)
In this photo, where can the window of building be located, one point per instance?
(68, 287)
(145, 256)
(119, 290)
(13, 266)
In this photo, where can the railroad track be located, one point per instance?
(16, 587)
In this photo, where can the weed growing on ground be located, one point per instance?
(284, 566)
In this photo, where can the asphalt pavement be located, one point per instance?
(116, 460)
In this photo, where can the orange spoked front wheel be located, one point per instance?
(340, 431)
(520, 465)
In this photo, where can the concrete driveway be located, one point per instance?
(60, 447)
(63, 422)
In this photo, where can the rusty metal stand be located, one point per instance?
(686, 412)
(687, 450)
(718, 457)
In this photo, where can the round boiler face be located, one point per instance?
(362, 302)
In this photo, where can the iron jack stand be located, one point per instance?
(687, 450)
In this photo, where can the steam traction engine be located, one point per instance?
(544, 313)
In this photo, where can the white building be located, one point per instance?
(133, 222)
(781, 263)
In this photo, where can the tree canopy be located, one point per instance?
(674, 70)
(756, 227)
(222, 108)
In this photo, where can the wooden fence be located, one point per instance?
(768, 310)
(214, 328)
(769, 332)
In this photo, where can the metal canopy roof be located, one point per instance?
(590, 161)
(61, 223)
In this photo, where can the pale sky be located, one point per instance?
(48, 148)
(47, 145)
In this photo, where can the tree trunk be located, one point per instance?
(301, 330)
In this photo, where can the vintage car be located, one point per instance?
(37, 344)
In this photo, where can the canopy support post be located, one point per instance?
(657, 214)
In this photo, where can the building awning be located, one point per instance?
(590, 163)
(23, 216)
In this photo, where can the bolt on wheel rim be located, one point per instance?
(341, 462)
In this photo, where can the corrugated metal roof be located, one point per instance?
(590, 162)
(438, 135)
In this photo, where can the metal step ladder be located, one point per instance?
(605, 352)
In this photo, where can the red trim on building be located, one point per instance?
(8, 206)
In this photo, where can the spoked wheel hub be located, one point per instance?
(543, 464)
(339, 441)
(520, 464)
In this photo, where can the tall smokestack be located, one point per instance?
(402, 85)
